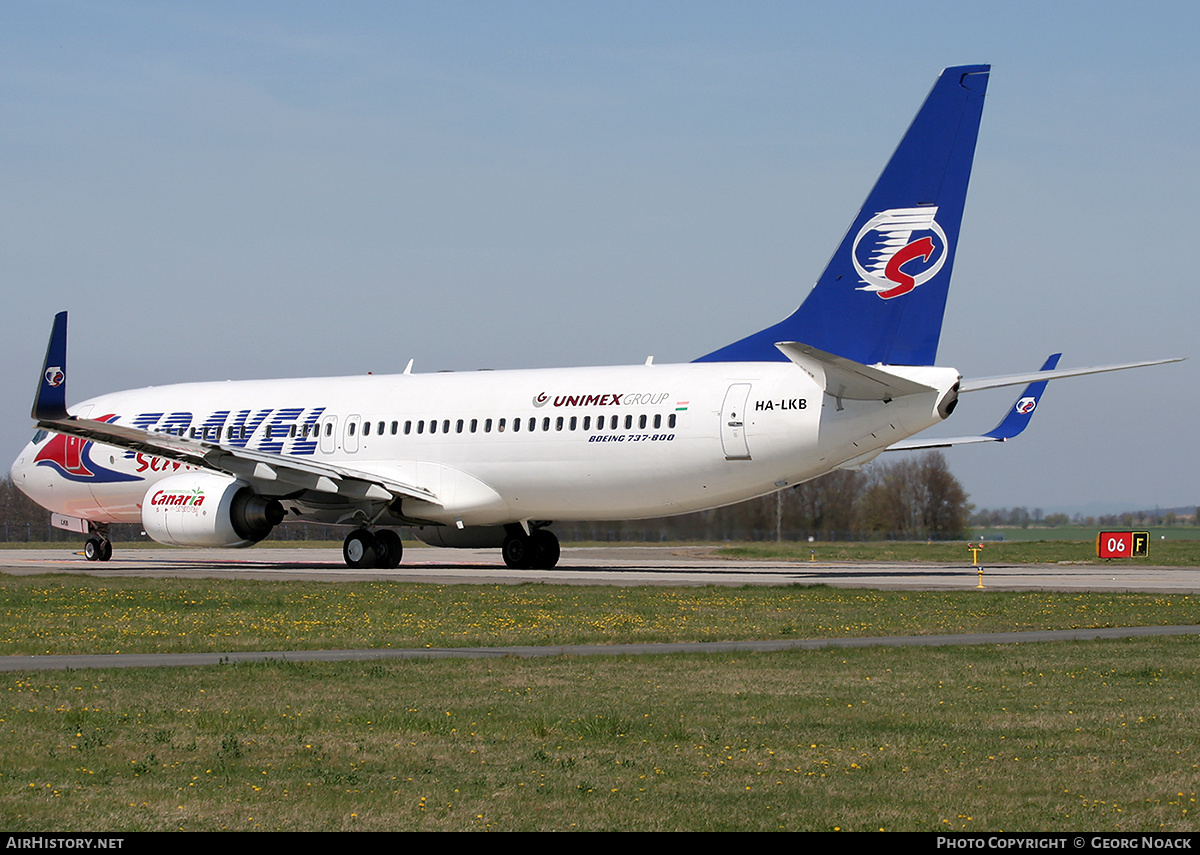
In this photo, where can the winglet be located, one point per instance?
(1015, 420)
(1022, 411)
(50, 402)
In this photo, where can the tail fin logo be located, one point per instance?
(885, 253)
(1026, 405)
(55, 376)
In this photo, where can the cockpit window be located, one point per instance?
(39, 435)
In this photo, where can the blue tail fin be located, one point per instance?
(882, 297)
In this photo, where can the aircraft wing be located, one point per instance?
(978, 383)
(1014, 421)
(268, 472)
(1018, 416)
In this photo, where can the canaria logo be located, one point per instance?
(888, 258)
(55, 376)
(1025, 406)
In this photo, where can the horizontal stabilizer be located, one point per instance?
(844, 378)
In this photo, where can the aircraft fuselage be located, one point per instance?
(496, 447)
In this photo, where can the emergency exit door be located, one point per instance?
(733, 422)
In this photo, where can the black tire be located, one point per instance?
(93, 549)
(517, 551)
(390, 549)
(546, 550)
(105, 550)
(360, 549)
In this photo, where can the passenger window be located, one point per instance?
(657, 420)
(366, 429)
(445, 426)
(574, 421)
(671, 420)
(395, 428)
(458, 426)
(641, 422)
(587, 422)
(558, 424)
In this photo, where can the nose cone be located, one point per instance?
(27, 477)
(20, 468)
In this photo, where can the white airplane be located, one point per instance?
(490, 458)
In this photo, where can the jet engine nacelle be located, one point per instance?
(207, 509)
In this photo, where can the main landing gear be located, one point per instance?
(537, 550)
(381, 549)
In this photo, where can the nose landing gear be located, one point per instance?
(97, 549)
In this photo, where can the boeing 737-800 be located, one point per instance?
(491, 458)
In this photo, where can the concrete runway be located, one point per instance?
(618, 565)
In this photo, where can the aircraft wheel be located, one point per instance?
(390, 549)
(105, 549)
(360, 549)
(518, 552)
(545, 549)
(93, 549)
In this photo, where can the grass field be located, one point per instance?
(1096, 735)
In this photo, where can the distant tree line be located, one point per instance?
(1024, 518)
(912, 497)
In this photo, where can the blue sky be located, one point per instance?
(238, 190)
